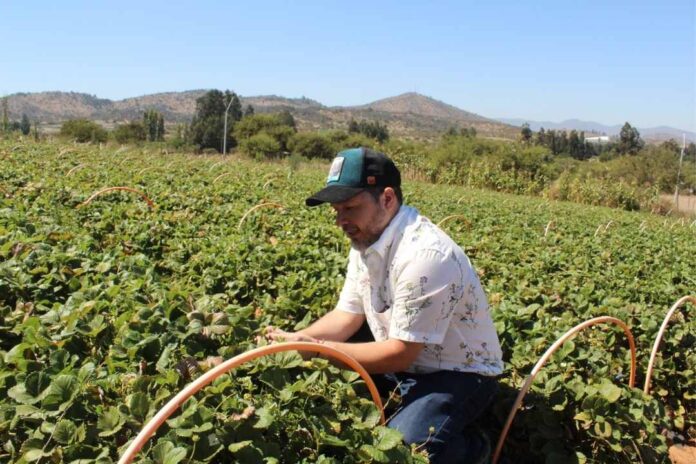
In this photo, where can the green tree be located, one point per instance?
(260, 145)
(468, 132)
(690, 152)
(372, 129)
(671, 145)
(540, 137)
(249, 110)
(574, 146)
(153, 124)
(287, 118)
(273, 125)
(5, 116)
(526, 133)
(131, 132)
(25, 125)
(630, 142)
(83, 130)
(312, 145)
(207, 124)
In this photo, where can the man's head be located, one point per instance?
(364, 188)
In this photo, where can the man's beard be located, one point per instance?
(364, 244)
(370, 235)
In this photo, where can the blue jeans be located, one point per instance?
(435, 409)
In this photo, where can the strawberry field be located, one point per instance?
(109, 307)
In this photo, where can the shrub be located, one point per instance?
(312, 145)
(129, 133)
(83, 130)
(272, 125)
(260, 146)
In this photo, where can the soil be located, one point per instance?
(682, 454)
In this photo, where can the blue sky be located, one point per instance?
(606, 61)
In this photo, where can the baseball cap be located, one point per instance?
(353, 171)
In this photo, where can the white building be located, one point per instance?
(598, 140)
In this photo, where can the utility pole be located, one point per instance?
(224, 134)
(681, 158)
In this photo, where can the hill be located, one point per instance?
(409, 115)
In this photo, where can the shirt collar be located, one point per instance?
(387, 237)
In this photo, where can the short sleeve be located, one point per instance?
(350, 299)
(426, 293)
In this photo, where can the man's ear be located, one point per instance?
(390, 199)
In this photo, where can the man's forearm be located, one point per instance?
(336, 326)
(381, 357)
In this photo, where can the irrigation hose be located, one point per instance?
(173, 405)
(658, 339)
(537, 367)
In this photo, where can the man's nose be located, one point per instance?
(340, 219)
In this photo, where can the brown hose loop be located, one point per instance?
(658, 339)
(216, 165)
(537, 367)
(455, 216)
(254, 208)
(168, 409)
(549, 226)
(75, 168)
(110, 189)
(221, 176)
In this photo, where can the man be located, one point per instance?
(434, 339)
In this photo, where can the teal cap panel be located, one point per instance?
(347, 168)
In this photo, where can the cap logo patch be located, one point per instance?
(371, 180)
(335, 170)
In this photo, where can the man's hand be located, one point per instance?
(275, 334)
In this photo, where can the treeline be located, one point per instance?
(220, 124)
(8, 126)
(575, 145)
(625, 172)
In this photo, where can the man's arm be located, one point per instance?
(336, 326)
(381, 357)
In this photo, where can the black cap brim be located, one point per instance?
(333, 194)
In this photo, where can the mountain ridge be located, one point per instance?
(407, 115)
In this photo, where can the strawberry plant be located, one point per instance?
(109, 309)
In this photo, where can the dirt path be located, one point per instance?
(687, 203)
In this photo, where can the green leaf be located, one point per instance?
(387, 438)
(234, 447)
(370, 453)
(64, 432)
(36, 383)
(110, 422)
(330, 440)
(583, 416)
(603, 429)
(139, 405)
(164, 359)
(166, 453)
(266, 418)
(32, 450)
(609, 391)
(62, 390)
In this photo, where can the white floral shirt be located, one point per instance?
(415, 284)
